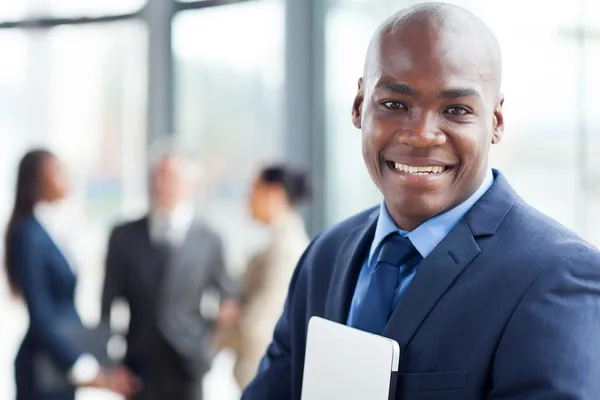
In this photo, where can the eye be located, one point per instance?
(457, 110)
(394, 105)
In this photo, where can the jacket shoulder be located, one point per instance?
(127, 226)
(352, 223)
(29, 230)
(557, 237)
(336, 235)
(545, 243)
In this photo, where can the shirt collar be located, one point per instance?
(178, 220)
(430, 233)
(52, 217)
(55, 219)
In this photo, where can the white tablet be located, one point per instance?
(346, 363)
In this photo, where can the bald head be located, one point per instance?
(438, 23)
(429, 107)
(442, 16)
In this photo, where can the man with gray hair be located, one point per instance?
(162, 265)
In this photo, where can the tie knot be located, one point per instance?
(396, 250)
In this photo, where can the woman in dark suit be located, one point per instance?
(39, 273)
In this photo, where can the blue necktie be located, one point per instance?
(376, 306)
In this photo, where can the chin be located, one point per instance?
(414, 209)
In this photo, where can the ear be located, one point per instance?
(498, 121)
(358, 104)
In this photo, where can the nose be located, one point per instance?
(423, 131)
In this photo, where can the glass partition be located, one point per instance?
(78, 90)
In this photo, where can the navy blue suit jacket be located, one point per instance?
(507, 306)
(47, 284)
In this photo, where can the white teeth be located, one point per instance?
(419, 170)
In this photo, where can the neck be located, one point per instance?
(167, 209)
(407, 224)
(281, 214)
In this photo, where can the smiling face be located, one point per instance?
(429, 108)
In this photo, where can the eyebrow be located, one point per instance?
(402, 88)
(399, 88)
(458, 93)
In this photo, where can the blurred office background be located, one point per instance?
(242, 83)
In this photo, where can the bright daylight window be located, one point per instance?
(11, 10)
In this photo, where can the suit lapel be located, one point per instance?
(149, 267)
(348, 264)
(434, 276)
(186, 261)
(441, 268)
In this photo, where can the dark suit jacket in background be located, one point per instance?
(168, 342)
(507, 306)
(47, 284)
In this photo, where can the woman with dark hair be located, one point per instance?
(276, 193)
(39, 273)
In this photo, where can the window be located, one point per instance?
(20, 9)
(348, 29)
(229, 105)
(78, 90)
(590, 129)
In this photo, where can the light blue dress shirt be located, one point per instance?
(425, 238)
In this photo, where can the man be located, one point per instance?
(488, 297)
(162, 265)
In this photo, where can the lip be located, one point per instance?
(419, 161)
(419, 179)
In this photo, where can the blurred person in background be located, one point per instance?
(162, 265)
(39, 273)
(276, 193)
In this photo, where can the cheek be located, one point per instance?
(471, 147)
(253, 204)
(258, 204)
(58, 185)
(170, 188)
(377, 134)
(181, 187)
(158, 184)
(369, 153)
(374, 121)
